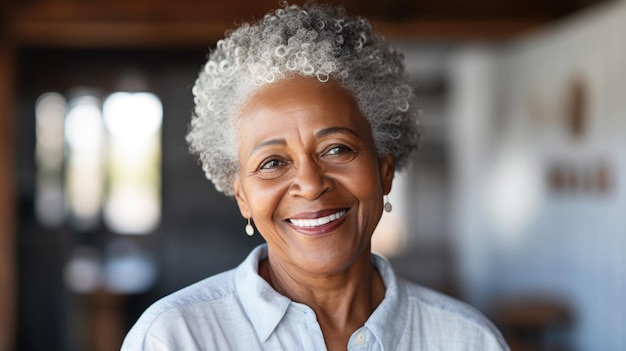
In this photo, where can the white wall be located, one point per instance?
(516, 230)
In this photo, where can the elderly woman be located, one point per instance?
(304, 117)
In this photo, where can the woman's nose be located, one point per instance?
(311, 180)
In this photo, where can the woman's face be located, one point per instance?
(310, 177)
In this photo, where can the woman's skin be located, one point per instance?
(311, 180)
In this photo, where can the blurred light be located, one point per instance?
(84, 134)
(83, 273)
(50, 201)
(514, 192)
(134, 124)
(128, 268)
(133, 117)
(50, 119)
(83, 127)
(132, 209)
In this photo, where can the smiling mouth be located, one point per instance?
(310, 223)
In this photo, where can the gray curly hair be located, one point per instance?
(310, 41)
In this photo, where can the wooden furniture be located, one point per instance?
(533, 323)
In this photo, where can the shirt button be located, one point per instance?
(360, 338)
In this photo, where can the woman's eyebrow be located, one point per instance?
(325, 132)
(269, 142)
(320, 134)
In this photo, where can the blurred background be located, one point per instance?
(516, 202)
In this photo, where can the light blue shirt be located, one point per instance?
(239, 310)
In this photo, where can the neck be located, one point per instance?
(342, 301)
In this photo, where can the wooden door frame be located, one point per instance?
(8, 211)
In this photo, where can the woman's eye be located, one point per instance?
(338, 150)
(271, 164)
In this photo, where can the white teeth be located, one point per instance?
(317, 221)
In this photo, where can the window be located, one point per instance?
(99, 161)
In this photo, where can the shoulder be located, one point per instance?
(207, 290)
(462, 321)
(435, 302)
(430, 320)
(205, 299)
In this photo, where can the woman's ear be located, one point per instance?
(387, 172)
(242, 201)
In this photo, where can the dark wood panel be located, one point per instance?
(105, 23)
(206, 10)
(7, 192)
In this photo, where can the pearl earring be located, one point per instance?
(388, 206)
(249, 228)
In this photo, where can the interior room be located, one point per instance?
(514, 202)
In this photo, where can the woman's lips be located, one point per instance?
(317, 222)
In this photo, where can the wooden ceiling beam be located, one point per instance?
(190, 34)
(164, 23)
(122, 34)
(63, 11)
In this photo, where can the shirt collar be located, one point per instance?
(266, 307)
(389, 319)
